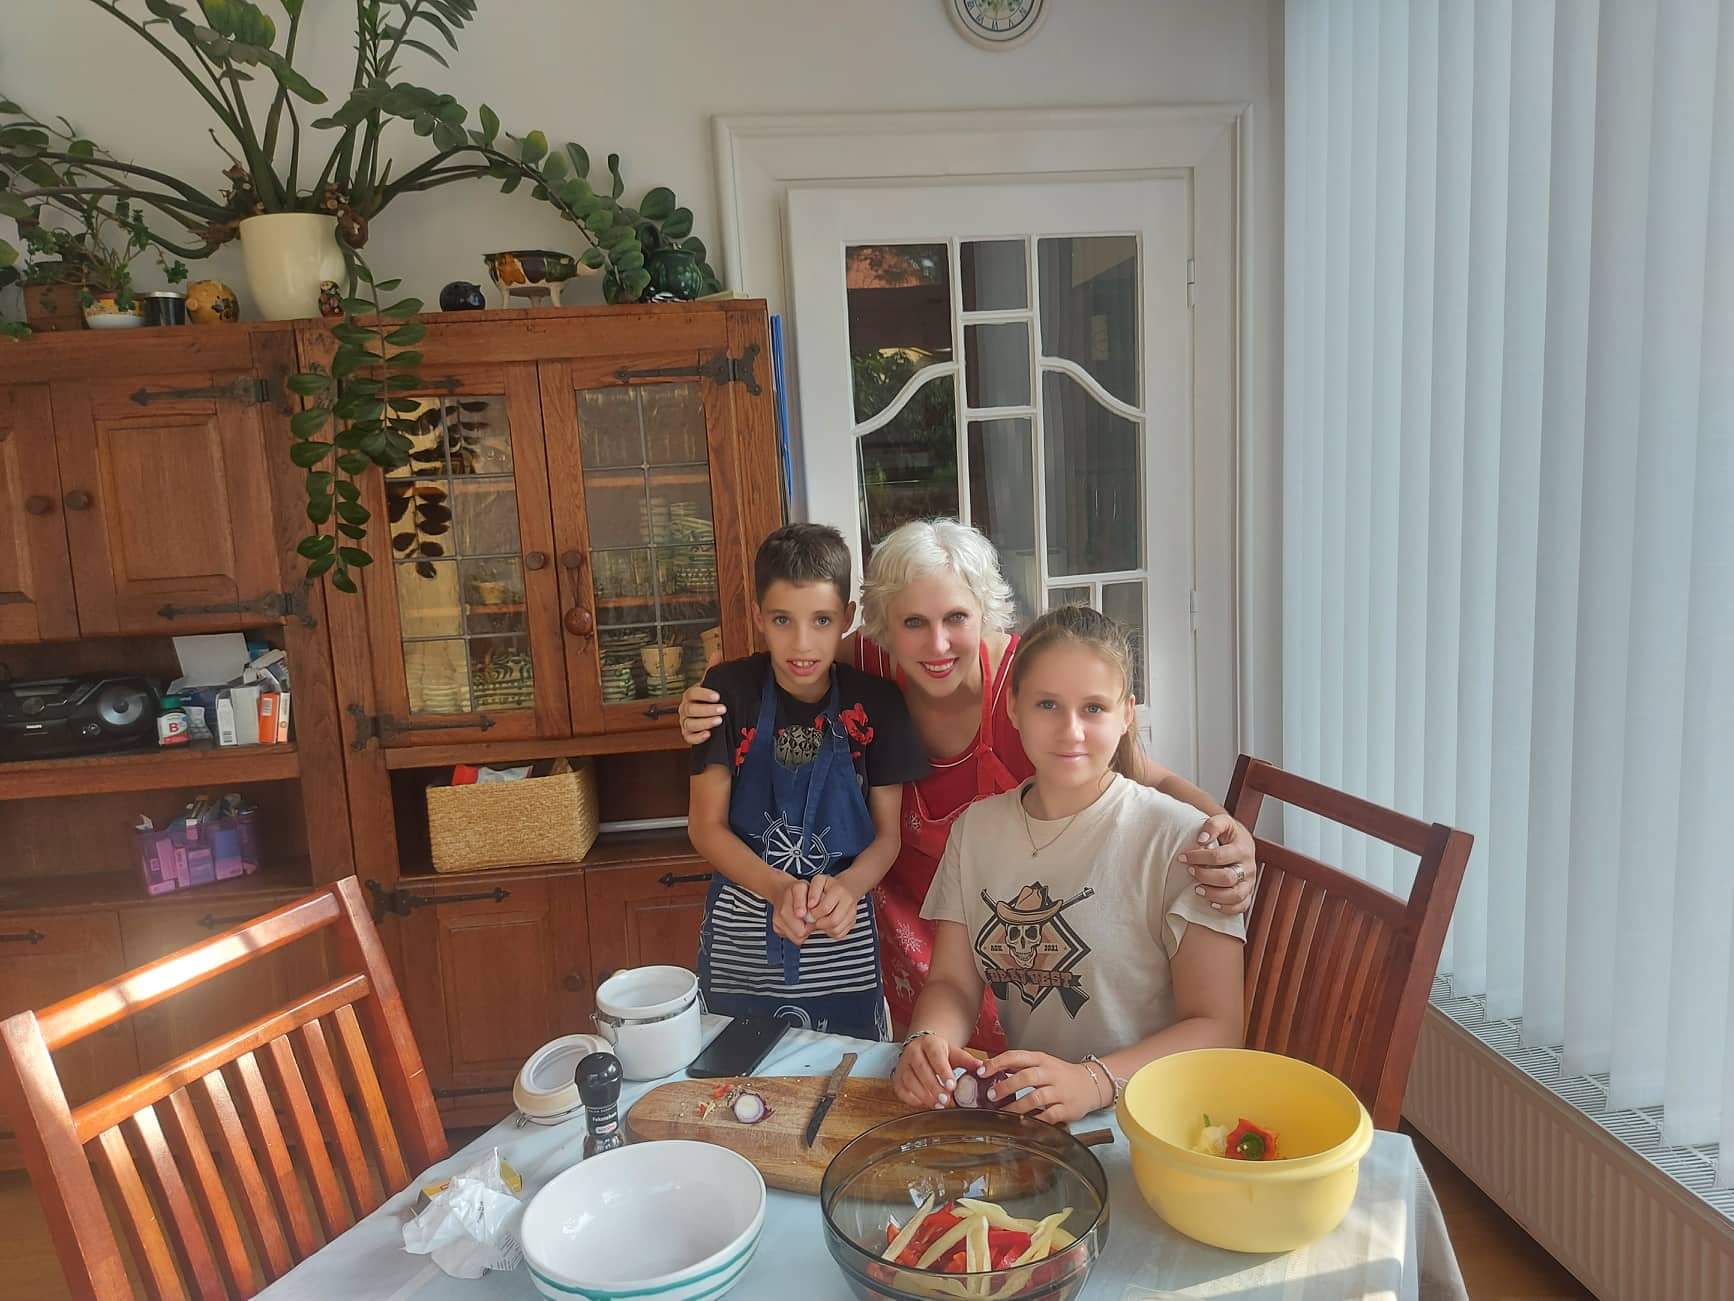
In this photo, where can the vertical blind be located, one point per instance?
(1509, 499)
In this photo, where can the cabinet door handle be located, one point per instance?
(78, 499)
(38, 505)
(535, 559)
(668, 880)
(579, 621)
(31, 936)
(573, 560)
(211, 922)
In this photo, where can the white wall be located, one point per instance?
(645, 80)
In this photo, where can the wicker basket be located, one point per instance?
(507, 824)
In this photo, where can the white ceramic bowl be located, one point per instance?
(650, 1017)
(667, 1221)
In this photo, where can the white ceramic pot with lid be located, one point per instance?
(650, 1017)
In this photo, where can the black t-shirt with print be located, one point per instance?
(882, 739)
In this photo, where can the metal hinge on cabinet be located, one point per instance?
(278, 605)
(377, 727)
(244, 388)
(721, 369)
(402, 902)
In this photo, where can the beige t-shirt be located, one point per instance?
(1075, 942)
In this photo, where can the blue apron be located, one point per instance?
(802, 821)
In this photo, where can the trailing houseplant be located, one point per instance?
(242, 64)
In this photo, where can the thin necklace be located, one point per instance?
(1035, 849)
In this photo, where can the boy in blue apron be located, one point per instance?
(794, 803)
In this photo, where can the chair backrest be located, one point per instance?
(1338, 970)
(180, 1149)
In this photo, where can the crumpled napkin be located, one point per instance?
(467, 1226)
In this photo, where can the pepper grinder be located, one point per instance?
(598, 1080)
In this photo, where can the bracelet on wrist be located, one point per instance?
(911, 1038)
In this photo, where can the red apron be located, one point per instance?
(930, 806)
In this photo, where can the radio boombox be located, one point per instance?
(56, 717)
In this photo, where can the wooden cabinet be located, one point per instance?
(167, 500)
(493, 967)
(225, 1002)
(36, 601)
(642, 915)
(44, 957)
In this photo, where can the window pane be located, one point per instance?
(899, 317)
(997, 359)
(1058, 596)
(908, 467)
(437, 673)
(493, 595)
(673, 424)
(500, 676)
(487, 517)
(1089, 296)
(427, 599)
(993, 275)
(1124, 602)
(477, 437)
(1092, 481)
(1002, 501)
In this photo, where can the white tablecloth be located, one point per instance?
(1392, 1244)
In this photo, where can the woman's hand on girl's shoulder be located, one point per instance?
(1059, 1090)
(923, 1077)
(701, 709)
(1224, 864)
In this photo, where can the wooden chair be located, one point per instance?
(179, 1150)
(1337, 970)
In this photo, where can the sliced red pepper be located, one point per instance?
(1250, 1142)
(955, 1263)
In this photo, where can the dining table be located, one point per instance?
(1391, 1244)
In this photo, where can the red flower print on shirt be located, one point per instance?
(745, 745)
(855, 723)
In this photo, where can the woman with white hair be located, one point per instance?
(936, 616)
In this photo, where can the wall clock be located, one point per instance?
(997, 24)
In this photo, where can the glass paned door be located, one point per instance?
(1016, 357)
(639, 511)
(467, 565)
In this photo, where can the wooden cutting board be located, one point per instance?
(774, 1144)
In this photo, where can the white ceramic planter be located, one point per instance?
(287, 255)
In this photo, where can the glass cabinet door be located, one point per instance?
(473, 588)
(638, 511)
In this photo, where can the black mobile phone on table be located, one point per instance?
(739, 1049)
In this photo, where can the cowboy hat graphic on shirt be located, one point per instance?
(1027, 943)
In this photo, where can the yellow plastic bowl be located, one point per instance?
(1322, 1133)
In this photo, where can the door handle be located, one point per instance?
(535, 559)
(78, 499)
(38, 505)
(573, 560)
(579, 621)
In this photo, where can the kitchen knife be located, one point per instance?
(833, 1087)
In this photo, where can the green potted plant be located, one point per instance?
(86, 273)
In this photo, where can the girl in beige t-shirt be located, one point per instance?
(1063, 898)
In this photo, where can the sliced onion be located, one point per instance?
(971, 1090)
(750, 1108)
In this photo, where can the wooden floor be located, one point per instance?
(1498, 1259)
(1500, 1262)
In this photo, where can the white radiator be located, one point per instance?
(1627, 1228)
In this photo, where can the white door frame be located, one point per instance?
(759, 157)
